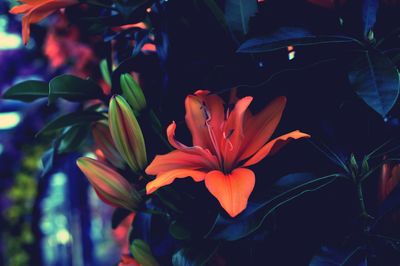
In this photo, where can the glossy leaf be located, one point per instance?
(369, 12)
(142, 253)
(217, 13)
(286, 36)
(197, 254)
(27, 91)
(73, 88)
(178, 230)
(71, 119)
(73, 138)
(339, 257)
(376, 80)
(238, 13)
(255, 214)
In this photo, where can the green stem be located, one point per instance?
(361, 200)
(364, 214)
(156, 126)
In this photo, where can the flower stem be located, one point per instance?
(156, 126)
(364, 214)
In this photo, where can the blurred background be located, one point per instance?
(53, 218)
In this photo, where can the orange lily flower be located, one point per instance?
(225, 143)
(36, 10)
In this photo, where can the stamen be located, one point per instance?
(207, 116)
(226, 137)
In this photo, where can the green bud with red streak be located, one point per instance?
(142, 253)
(104, 142)
(132, 93)
(109, 185)
(127, 134)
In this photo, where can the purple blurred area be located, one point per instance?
(51, 219)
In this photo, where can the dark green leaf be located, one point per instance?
(197, 254)
(369, 11)
(118, 216)
(376, 80)
(73, 138)
(284, 37)
(217, 12)
(328, 256)
(71, 119)
(73, 89)
(134, 10)
(238, 13)
(179, 231)
(252, 218)
(27, 91)
(142, 253)
(49, 156)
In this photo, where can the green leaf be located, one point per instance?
(73, 138)
(134, 10)
(238, 13)
(369, 12)
(73, 88)
(71, 119)
(195, 255)
(286, 36)
(27, 91)
(231, 229)
(217, 12)
(376, 80)
(335, 256)
(142, 253)
(179, 230)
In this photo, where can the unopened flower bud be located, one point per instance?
(109, 185)
(132, 93)
(127, 134)
(104, 142)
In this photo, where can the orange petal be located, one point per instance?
(20, 9)
(233, 136)
(177, 160)
(232, 190)
(275, 145)
(168, 177)
(204, 116)
(192, 150)
(37, 11)
(260, 128)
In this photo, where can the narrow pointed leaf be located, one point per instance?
(73, 138)
(71, 119)
(27, 91)
(238, 13)
(286, 36)
(226, 228)
(196, 254)
(369, 12)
